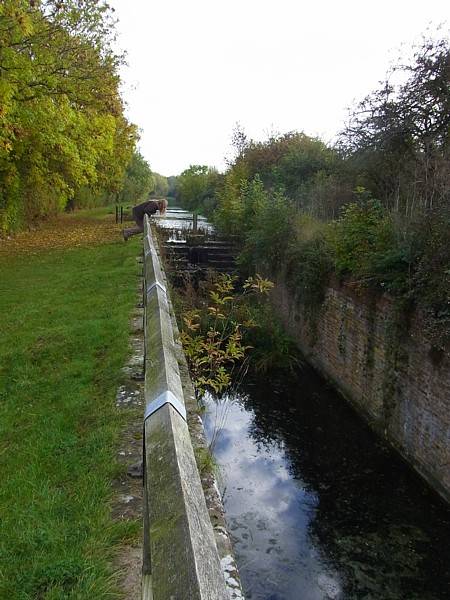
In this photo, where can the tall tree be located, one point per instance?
(138, 180)
(161, 187)
(196, 186)
(399, 136)
(62, 126)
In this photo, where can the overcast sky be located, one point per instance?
(196, 67)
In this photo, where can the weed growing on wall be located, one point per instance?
(431, 278)
(309, 268)
(271, 347)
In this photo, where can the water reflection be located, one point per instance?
(180, 220)
(319, 507)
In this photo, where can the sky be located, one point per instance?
(196, 68)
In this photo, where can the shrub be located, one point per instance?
(308, 273)
(270, 346)
(268, 231)
(212, 331)
(361, 238)
(431, 278)
(228, 216)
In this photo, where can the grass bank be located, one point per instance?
(63, 340)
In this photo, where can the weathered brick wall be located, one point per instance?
(393, 381)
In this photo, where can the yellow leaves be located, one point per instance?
(225, 283)
(62, 121)
(189, 319)
(25, 23)
(212, 335)
(215, 297)
(215, 312)
(218, 383)
(6, 145)
(65, 231)
(258, 284)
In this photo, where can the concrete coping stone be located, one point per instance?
(180, 559)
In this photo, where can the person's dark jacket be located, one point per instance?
(149, 207)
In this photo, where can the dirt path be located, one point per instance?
(128, 487)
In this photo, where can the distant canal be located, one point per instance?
(318, 507)
(180, 219)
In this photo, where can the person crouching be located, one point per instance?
(149, 207)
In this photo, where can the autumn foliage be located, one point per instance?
(63, 135)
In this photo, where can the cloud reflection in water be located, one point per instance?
(268, 512)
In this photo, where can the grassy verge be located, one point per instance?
(63, 340)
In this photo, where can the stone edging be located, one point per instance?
(180, 554)
(209, 483)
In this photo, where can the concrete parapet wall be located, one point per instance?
(397, 384)
(181, 561)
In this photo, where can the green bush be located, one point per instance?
(228, 216)
(309, 268)
(361, 237)
(277, 199)
(431, 278)
(271, 347)
(268, 229)
(213, 322)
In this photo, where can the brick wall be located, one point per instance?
(395, 382)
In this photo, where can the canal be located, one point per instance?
(318, 506)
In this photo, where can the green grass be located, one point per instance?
(63, 340)
(97, 213)
(102, 212)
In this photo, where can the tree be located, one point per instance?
(399, 136)
(161, 187)
(196, 186)
(172, 182)
(62, 128)
(138, 181)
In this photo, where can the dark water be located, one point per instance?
(318, 506)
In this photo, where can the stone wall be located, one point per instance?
(393, 379)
